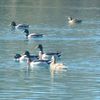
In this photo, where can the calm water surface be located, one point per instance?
(79, 44)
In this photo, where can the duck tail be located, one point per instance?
(48, 62)
(58, 53)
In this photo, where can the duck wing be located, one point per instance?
(54, 53)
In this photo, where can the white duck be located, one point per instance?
(19, 26)
(32, 35)
(54, 66)
(72, 21)
(47, 56)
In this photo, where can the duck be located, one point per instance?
(38, 62)
(17, 57)
(32, 35)
(47, 56)
(19, 26)
(35, 63)
(24, 57)
(54, 66)
(72, 21)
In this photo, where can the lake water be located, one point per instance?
(79, 44)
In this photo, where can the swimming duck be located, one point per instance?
(56, 66)
(24, 57)
(47, 56)
(19, 26)
(17, 57)
(38, 62)
(72, 21)
(32, 35)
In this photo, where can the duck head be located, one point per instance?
(13, 25)
(27, 32)
(17, 56)
(53, 59)
(70, 18)
(40, 47)
(27, 54)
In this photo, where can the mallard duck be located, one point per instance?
(19, 26)
(32, 35)
(38, 62)
(72, 21)
(47, 56)
(24, 57)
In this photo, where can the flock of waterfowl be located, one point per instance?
(43, 58)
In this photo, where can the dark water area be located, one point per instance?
(79, 44)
